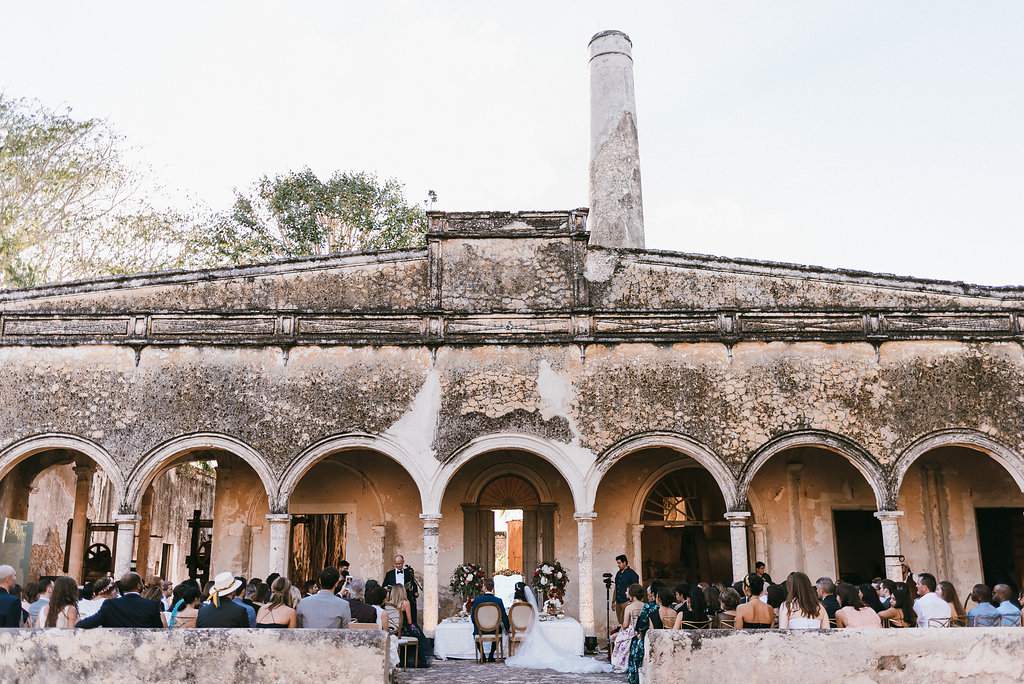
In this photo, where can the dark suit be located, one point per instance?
(831, 604)
(412, 591)
(131, 610)
(490, 598)
(230, 614)
(10, 610)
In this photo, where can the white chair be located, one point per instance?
(505, 586)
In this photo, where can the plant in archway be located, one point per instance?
(467, 581)
(550, 580)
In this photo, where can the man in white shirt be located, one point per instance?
(930, 606)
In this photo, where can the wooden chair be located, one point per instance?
(363, 625)
(987, 621)
(696, 624)
(520, 617)
(727, 623)
(404, 642)
(487, 618)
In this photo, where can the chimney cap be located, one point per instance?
(612, 32)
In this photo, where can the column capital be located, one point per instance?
(585, 517)
(278, 518)
(430, 519)
(737, 518)
(84, 471)
(888, 515)
(127, 518)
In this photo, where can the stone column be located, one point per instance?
(431, 525)
(796, 519)
(585, 539)
(280, 532)
(891, 543)
(761, 542)
(616, 205)
(145, 525)
(125, 543)
(76, 552)
(636, 557)
(738, 539)
(375, 556)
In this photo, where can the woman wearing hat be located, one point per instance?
(221, 611)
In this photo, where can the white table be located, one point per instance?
(455, 639)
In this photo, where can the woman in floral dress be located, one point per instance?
(623, 638)
(647, 619)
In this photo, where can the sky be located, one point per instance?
(880, 136)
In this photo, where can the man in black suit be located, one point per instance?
(10, 606)
(222, 611)
(489, 597)
(131, 610)
(402, 574)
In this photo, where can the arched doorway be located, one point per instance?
(508, 513)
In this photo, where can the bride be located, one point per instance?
(538, 653)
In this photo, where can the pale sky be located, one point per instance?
(884, 136)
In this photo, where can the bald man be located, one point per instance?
(10, 607)
(1010, 612)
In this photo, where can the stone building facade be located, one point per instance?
(693, 412)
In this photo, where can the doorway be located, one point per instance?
(318, 541)
(1001, 542)
(508, 517)
(859, 552)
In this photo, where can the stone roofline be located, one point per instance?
(517, 225)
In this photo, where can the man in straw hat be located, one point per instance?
(221, 611)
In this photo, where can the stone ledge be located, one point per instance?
(851, 655)
(204, 655)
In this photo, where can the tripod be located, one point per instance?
(608, 617)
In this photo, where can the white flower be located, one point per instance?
(546, 569)
(543, 580)
(558, 575)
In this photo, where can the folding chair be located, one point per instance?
(487, 618)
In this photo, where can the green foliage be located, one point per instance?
(297, 214)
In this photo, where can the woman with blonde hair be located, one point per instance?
(277, 613)
(62, 611)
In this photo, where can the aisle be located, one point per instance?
(469, 672)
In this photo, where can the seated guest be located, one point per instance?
(885, 589)
(754, 614)
(44, 587)
(10, 605)
(186, 607)
(712, 602)
(1010, 612)
(802, 609)
(729, 599)
(398, 609)
(311, 588)
(827, 595)
(358, 608)
(694, 613)
(102, 589)
(948, 593)
(665, 601)
(489, 597)
(240, 600)
(852, 612)
(900, 612)
(624, 632)
(278, 612)
(222, 610)
(984, 614)
(870, 597)
(759, 569)
(775, 595)
(682, 592)
(324, 610)
(62, 610)
(131, 610)
(931, 610)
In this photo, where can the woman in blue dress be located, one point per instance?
(647, 619)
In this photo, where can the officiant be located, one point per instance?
(402, 574)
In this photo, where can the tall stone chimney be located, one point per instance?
(616, 205)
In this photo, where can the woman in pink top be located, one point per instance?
(853, 613)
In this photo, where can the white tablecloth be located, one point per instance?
(455, 639)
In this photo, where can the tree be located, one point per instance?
(70, 205)
(297, 214)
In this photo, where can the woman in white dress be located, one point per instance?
(538, 653)
(802, 609)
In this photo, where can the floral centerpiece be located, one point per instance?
(467, 581)
(550, 580)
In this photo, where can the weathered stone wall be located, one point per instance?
(204, 655)
(989, 654)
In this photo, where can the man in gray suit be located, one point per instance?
(324, 610)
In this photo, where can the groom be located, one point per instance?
(489, 597)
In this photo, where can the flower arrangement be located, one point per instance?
(550, 580)
(467, 581)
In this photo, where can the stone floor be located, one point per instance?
(470, 672)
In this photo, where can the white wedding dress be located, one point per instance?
(537, 653)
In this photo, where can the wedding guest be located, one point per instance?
(885, 589)
(827, 594)
(238, 597)
(760, 570)
(754, 614)
(1011, 613)
(398, 604)
(130, 610)
(185, 610)
(62, 610)
(624, 578)
(223, 610)
(44, 587)
(852, 612)
(900, 612)
(931, 610)
(730, 599)
(682, 592)
(984, 614)
(311, 588)
(102, 589)
(324, 610)
(278, 611)
(948, 593)
(10, 606)
(802, 609)
(665, 611)
(694, 614)
(624, 632)
(647, 619)
(712, 601)
(870, 598)
(360, 611)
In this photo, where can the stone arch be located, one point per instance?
(329, 445)
(1009, 459)
(486, 476)
(22, 449)
(858, 457)
(688, 446)
(552, 452)
(642, 492)
(160, 458)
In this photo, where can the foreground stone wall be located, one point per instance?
(852, 655)
(203, 655)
